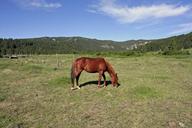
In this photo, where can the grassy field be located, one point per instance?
(155, 92)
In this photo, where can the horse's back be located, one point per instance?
(92, 64)
(89, 59)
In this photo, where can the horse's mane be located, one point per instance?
(110, 68)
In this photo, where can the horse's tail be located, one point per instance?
(72, 74)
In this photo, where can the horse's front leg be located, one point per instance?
(105, 83)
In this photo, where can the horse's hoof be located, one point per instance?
(78, 87)
(72, 88)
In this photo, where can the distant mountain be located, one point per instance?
(172, 43)
(50, 45)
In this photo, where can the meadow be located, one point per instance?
(155, 92)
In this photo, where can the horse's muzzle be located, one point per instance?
(118, 84)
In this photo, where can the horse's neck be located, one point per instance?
(110, 70)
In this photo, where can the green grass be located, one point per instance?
(145, 92)
(60, 82)
(4, 121)
(155, 90)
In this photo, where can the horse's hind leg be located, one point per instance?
(77, 80)
(72, 81)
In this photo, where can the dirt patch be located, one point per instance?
(7, 71)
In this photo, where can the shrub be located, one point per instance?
(175, 52)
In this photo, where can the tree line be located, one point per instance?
(75, 45)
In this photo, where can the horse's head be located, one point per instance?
(114, 80)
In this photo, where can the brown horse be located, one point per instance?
(93, 65)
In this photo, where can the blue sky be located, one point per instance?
(102, 19)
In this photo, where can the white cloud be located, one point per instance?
(182, 28)
(43, 4)
(126, 14)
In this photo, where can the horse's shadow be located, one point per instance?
(95, 82)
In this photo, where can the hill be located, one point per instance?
(52, 45)
(172, 43)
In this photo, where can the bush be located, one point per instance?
(175, 52)
(120, 54)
